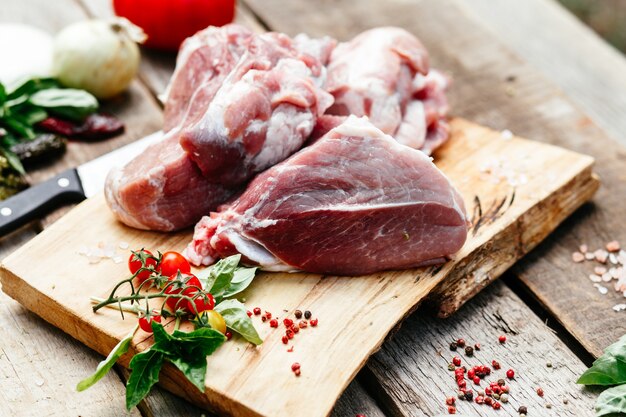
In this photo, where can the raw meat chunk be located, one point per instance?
(383, 73)
(162, 189)
(354, 202)
(264, 111)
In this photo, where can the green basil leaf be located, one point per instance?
(66, 102)
(194, 371)
(236, 318)
(3, 94)
(222, 274)
(27, 86)
(611, 401)
(31, 115)
(145, 367)
(13, 160)
(19, 127)
(242, 278)
(608, 369)
(103, 367)
(199, 343)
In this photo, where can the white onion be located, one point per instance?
(99, 56)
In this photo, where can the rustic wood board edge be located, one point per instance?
(41, 299)
(463, 284)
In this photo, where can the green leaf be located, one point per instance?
(3, 94)
(14, 161)
(242, 278)
(103, 367)
(221, 274)
(145, 367)
(611, 401)
(194, 371)
(18, 127)
(66, 102)
(608, 369)
(27, 86)
(236, 318)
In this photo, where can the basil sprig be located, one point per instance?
(609, 370)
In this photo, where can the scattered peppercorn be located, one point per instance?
(549, 364)
(453, 346)
(523, 410)
(469, 351)
(249, 313)
(263, 319)
(294, 328)
(273, 323)
(476, 380)
(456, 361)
(502, 339)
(302, 324)
(298, 314)
(228, 335)
(288, 322)
(540, 392)
(285, 339)
(451, 367)
(307, 314)
(295, 366)
(469, 395)
(479, 399)
(313, 322)
(504, 398)
(460, 343)
(495, 364)
(289, 334)
(268, 315)
(450, 400)
(510, 374)
(496, 405)
(451, 409)
(477, 346)
(488, 400)
(257, 311)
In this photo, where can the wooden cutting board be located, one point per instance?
(516, 192)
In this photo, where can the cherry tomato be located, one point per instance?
(180, 282)
(216, 321)
(203, 303)
(168, 22)
(172, 262)
(145, 322)
(134, 263)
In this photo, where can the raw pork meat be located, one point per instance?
(383, 73)
(204, 60)
(354, 202)
(264, 111)
(162, 189)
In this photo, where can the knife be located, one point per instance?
(71, 186)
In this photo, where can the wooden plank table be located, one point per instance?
(536, 89)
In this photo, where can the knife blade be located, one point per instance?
(70, 186)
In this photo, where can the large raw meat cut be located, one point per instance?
(203, 62)
(162, 189)
(383, 73)
(263, 112)
(354, 202)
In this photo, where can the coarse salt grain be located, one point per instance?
(613, 246)
(613, 259)
(614, 272)
(123, 245)
(578, 257)
(595, 278)
(118, 259)
(506, 134)
(589, 256)
(601, 255)
(583, 248)
(606, 277)
(599, 270)
(602, 290)
(619, 307)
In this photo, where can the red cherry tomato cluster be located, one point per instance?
(144, 265)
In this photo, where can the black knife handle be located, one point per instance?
(38, 200)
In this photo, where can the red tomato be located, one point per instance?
(134, 263)
(168, 22)
(172, 262)
(203, 303)
(146, 322)
(181, 281)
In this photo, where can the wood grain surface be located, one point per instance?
(507, 93)
(540, 111)
(555, 182)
